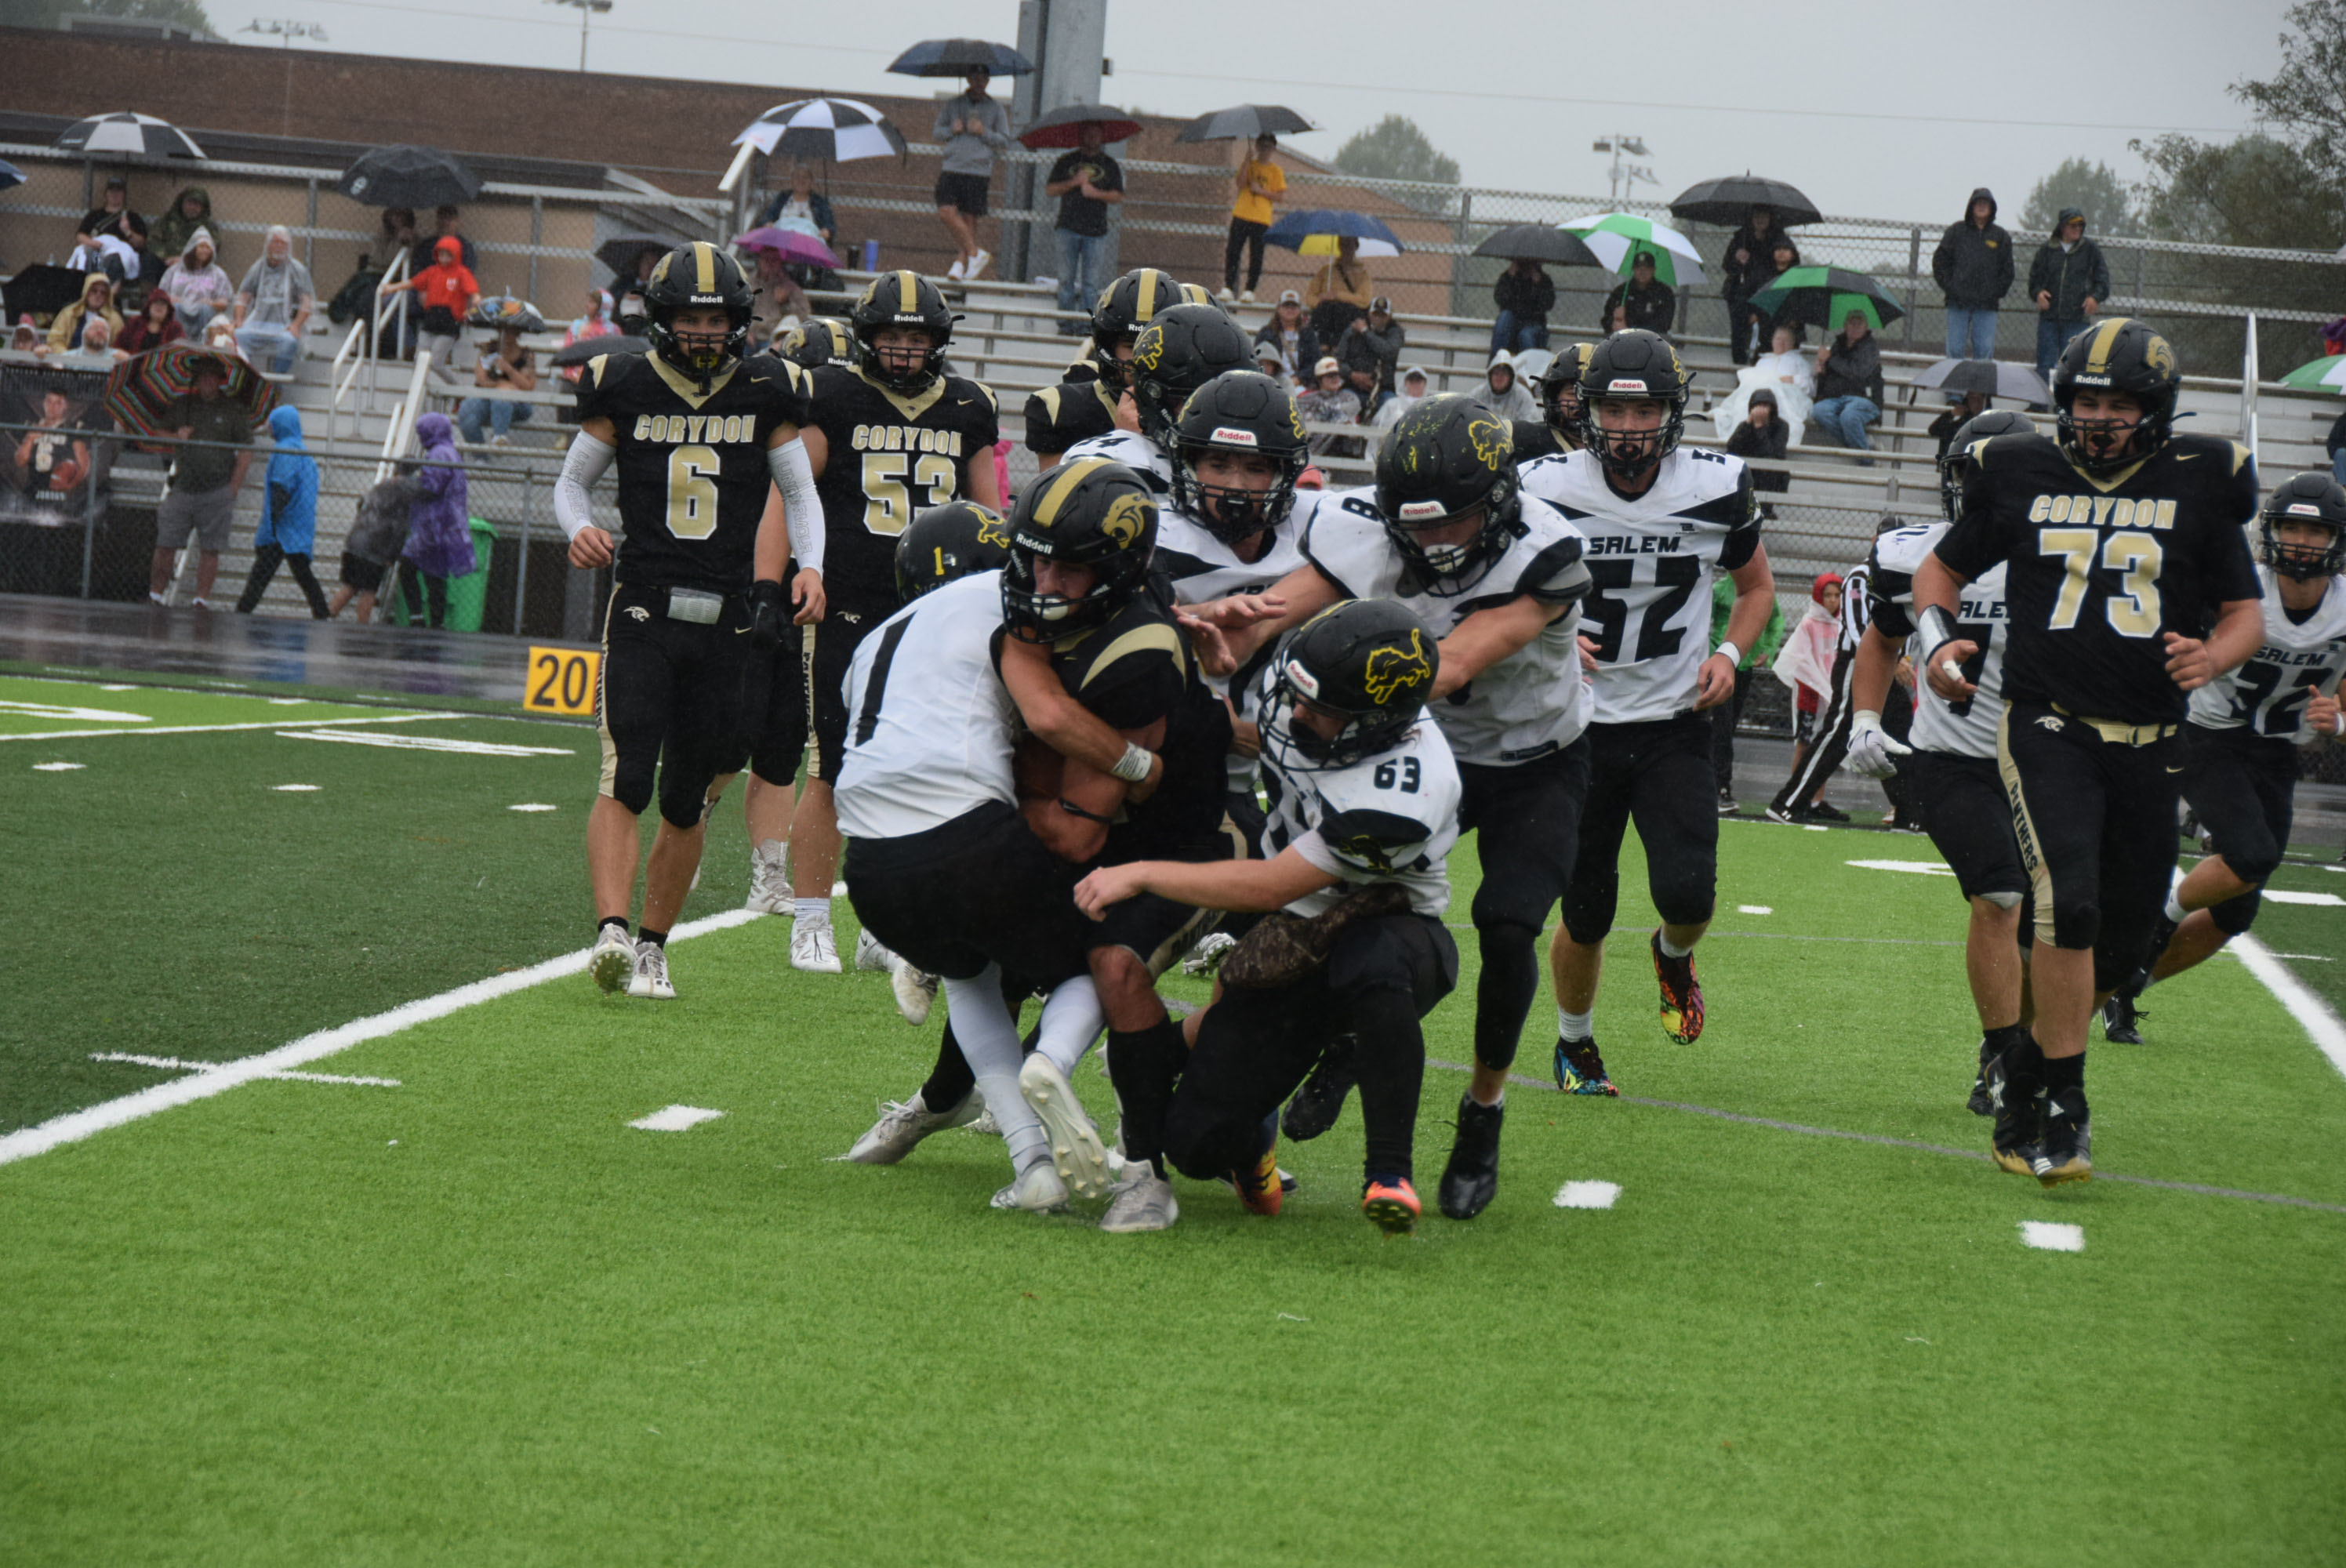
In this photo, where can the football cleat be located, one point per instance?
(1207, 955)
(916, 991)
(2065, 1140)
(903, 1125)
(1471, 1180)
(769, 879)
(1143, 1200)
(813, 948)
(1390, 1204)
(871, 953)
(1038, 1190)
(651, 973)
(1260, 1190)
(1077, 1151)
(1981, 1104)
(1579, 1070)
(1681, 995)
(1320, 1100)
(2015, 1144)
(2121, 1019)
(612, 961)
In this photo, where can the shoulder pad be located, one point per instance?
(1903, 550)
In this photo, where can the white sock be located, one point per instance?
(1070, 1023)
(1498, 1105)
(1672, 950)
(989, 1040)
(2175, 911)
(1575, 1025)
(814, 911)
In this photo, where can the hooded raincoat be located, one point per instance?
(1973, 264)
(440, 529)
(2071, 275)
(168, 236)
(289, 502)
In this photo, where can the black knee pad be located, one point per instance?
(1685, 897)
(631, 784)
(1589, 904)
(1208, 1153)
(2075, 924)
(2254, 866)
(683, 795)
(2234, 916)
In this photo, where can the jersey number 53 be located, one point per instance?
(888, 504)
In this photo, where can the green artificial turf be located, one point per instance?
(31, 709)
(477, 1318)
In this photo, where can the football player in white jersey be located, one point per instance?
(1180, 350)
(1498, 579)
(1958, 790)
(1660, 522)
(1366, 799)
(2239, 744)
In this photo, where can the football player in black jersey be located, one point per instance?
(889, 438)
(701, 436)
(1558, 429)
(2128, 585)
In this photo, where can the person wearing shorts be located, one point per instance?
(205, 479)
(972, 127)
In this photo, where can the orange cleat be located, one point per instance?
(1391, 1205)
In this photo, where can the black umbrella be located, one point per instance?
(406, 176)
(619, 255)
(1540, 243)
(585, 349)
(1989, 378)
(1728, 202)
(42, 290)
(959, 57)
(1244, 122)
(1063, 126)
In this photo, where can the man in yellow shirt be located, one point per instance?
(1261, 182)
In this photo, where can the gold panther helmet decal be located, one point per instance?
(1128, 519)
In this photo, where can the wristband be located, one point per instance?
(1937, 627)
(1734, 655)
(1134, 766)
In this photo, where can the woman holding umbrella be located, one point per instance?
(1749, 265)
(801, 206)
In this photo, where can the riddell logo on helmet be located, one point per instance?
(1619, 384)
(1422, 511)
(1302, 679)
(1229, 436)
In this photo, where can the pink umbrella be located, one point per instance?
(791, 244)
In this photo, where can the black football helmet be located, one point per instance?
(1088, 512)
(1559, 390)
(1634, 365)
(948, 542)
(1448, 458)
(2313, 497)
(1126, 306)
(902, 299)
(1956, 465)
(2117, 353)
(1199, 294)
(1368, 664)
(825, 341)
(697, 274)
(1179, 351)
(1239, 410)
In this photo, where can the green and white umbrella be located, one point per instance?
(2325, 375)
(1618, 237)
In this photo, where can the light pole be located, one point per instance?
(1626, 175)
(586, 9)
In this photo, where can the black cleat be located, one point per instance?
(1579, 1070)
(2018, 1138)
(1824, 812)
(2121, 1017)
(1320, 1100)
(2067, 1138)
(1471, 1180)
(1980, 1104)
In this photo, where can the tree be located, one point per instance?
(2254, 191)
(188, 14)
(2093, 189)
(2307, 99)
(1394, 149)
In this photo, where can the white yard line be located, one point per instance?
(91, 1120)
(2293, 994)
(175, 1064)
(222, 728)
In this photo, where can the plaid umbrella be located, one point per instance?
(128, 131)
(959, 56)
(836, 130)
(790, 245)
(141, 393)
(1316, 233)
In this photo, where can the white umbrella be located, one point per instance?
(837, 129)
(128, 131)
(1613, 234)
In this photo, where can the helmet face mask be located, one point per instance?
(1091, 513)
(698, 306)
(2308, 501)
(1239, 450)
(1351, 683)
(1634, 438)
(1627, 369)
(1447, 464)
(702, 339)
(910, 311)
(2115, 361)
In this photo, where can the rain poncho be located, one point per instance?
(170, 233)
(1805, 663)
(440, 530)
(289, 502)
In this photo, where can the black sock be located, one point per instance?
(1144, 1064)
(656, 938)
(2065, 1073)
(1503, 991)
(950, 1081)
(619, 921)
(1996, 1042)
(1391, 1061)
(2023, 1065)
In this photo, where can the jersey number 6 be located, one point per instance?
(692, 491)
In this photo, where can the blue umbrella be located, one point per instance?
(10, 175)
(1316, 233)
(959, 56)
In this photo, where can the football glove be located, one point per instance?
(770, 615)
(1872, 750)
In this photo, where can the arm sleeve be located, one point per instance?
(1976, 543)
(584, 463)
(1743, 538)
(802, 508)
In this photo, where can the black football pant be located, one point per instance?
(1255, 1046)
(1659, 775)
(1526, 821)
(674, 701)
(1830, 744)
(2092, 808)
(265, 561)
(2244, 787)
(1723, 720)
(978, 889)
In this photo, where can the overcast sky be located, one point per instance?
(1892, 110)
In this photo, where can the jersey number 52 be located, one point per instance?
(888, 504)
(1675, 577)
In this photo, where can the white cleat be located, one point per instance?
(1207, 955)
(612, 961)
(1077, 1151)
(903, 1125)
(651, 973)
(916, 991)
(813, 948)
(770, 880)
(1038, 1190)
(1142, 1201)
(871, 953)
(985, 1126)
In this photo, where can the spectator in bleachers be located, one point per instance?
(156, 324)
(1340, 291)
(72, 323)
(784, 299)
(1746, 269)
(1085, 182)
(205, 479)
(448, 291)
(111, 204)
(801, 206)
(397, 233)
(25, 338)
(1643, 300)
(597, 322)
(143, 269)
(167, 236)
(1954, 417)
(273, 304)
(1330, 401)
(1413, 385)
(106, 251)
(97, 342)
(448, 223)
(1973, 267)
(440, 528)
(1762, 436)
(507, 368)
(1292, 334)
(1370, 351)
(1260, 185)
(221, 338)
(1523, 294)
(198, 287)
(1785, 374)
(2068, 280)
(1849, 384)
(1805, 663)
(2335, 444)
(1270, 362)
(1783, 257)
(629, 286)
(972, 127)
(289, 517)
(1502, 393)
